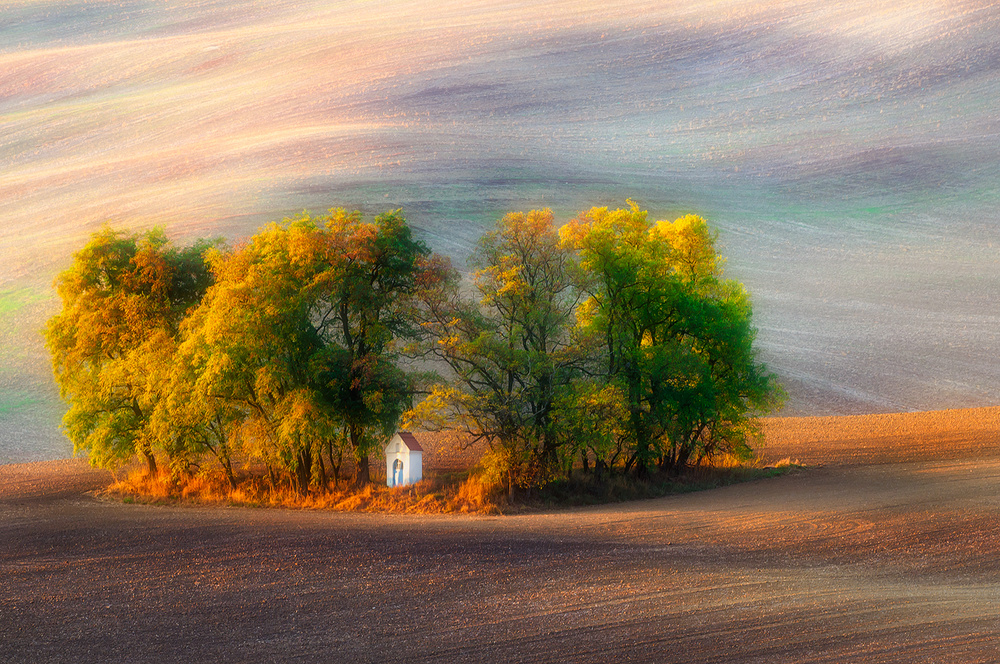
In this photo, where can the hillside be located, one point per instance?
(847, 154)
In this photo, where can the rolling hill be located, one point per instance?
(848, 154)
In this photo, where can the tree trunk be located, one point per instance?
(320, 469)
(228, 467)
(222, 456)
(363, 476)
(303, 470)
(272, 479)
(683, 454)
(150, 462)
(599, 470)
(334, 463)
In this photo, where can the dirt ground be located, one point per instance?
(884, 549)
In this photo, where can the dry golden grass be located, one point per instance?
(437, 494)
(452, 488)
(449, 487)
(457, 492)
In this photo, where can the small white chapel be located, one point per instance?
(403, 460)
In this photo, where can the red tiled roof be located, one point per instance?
(410, 441)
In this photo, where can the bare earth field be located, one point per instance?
(883, 550)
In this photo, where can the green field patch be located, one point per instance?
(15, 299)
(9, 405)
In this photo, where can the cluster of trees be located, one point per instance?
(613, 340)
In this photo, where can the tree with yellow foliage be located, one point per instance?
(299, 339)
(123, 299)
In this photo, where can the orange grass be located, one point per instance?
(455, 493)
(439, 494)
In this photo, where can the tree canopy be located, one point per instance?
(676, 339)
(613, 342)
(123, 299)
(614, 338)
(510, 354)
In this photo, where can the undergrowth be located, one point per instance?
(457, 492)
(586, 489)
(444, 493)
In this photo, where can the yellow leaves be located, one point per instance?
(305, 242)
(267, 383)
(254, 435)
(339, 220)
(509, 278)
(447, 337)
(624, 223)
(587, 312)
(450, 341)
(609, 239)
(151, 275)
(601, 233)
(216, 368)
(519, 227)
(691, 246)
(572, 234)
(298, 415)
(439, 409)
(522, 252)
(503, 281)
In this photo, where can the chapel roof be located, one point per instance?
(410, 441)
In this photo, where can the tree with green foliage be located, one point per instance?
(510, 353)
(123, 299)
(676, 338)
(591, 416)
(369, 305)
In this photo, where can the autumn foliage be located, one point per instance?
(612, 342)
(611, 345)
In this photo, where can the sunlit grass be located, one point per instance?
(466, 492)
(438, 494)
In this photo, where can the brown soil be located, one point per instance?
(885, 549)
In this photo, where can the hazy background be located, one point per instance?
(847, 152)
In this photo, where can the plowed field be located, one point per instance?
(884, 549)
